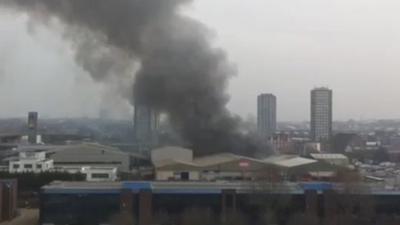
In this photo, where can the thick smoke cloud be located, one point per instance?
(176, 69)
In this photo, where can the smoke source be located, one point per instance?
(177, 71)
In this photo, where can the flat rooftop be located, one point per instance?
(167, 187)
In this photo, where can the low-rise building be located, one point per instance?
(331, 158)
(228, 166)
(223, 166)
(295, 168)
(96, 174)
(30, 161)
(91, 173)
(92, 155)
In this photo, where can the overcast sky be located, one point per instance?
(284, 47)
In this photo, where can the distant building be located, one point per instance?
(226, 166)
(146, 124)
(31, 161)
(266, 114)
(32, 127)
(223, 166)
(69, 157)
(97, 174)
(280, 143)
(321, 114)
(8, 200)
(332, 158)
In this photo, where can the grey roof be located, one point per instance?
(172, 148)
(91, 153)
(328, 156)
(168, 162)
(207, 161)
(289, 161)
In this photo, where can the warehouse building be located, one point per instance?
(93, 155)
(146, 203)
(332, 158)
(294, 168)
(174, 163)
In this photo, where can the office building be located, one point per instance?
(145, 124)
(321, 114)
(266, 114)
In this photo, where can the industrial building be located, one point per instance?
(97, 162)
(332, 158)
(98, 203)
(295, 168)
(91, 154)
(147, 203)
(30, 162)
(321, 114)
(174, 163)
(96, 174)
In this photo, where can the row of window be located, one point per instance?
(27, 166)
(100, 175)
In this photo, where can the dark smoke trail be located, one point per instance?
(178, 71)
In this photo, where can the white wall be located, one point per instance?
(194, 175)
(100, 174)
(35, 166)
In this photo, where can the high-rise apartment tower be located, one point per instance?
(321, 114)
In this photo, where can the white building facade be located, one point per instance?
(97, 174)
(31, 162)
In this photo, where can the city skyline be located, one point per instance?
(284, 57)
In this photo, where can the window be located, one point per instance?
(100, 175)
(28, 166)
(185, 176)
(16, 166)
(39, 166)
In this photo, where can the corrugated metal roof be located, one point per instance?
(215, 159)
(293, 162)
(328, 156)
(206, 161)
(169, 162)
(222, 158)
(276, 158)
(288, 160)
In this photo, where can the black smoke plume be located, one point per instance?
(176, 69)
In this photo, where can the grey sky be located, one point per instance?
(285, 47)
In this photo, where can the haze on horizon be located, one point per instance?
(285, 47)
